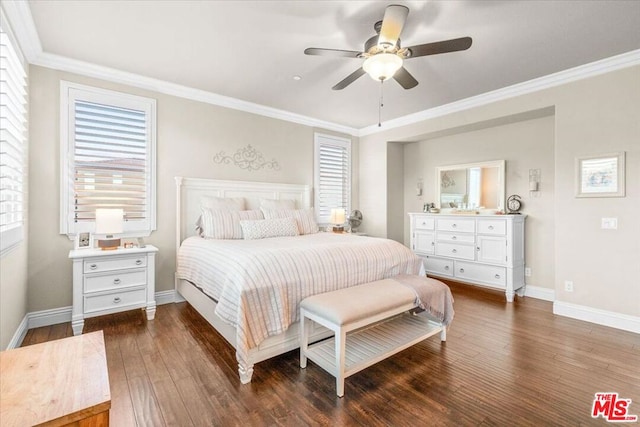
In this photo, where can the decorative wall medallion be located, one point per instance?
(246, 158)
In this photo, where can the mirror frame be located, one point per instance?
(500, 164)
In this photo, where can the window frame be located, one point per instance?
(13, 236)
(321, 139)
(69, 93)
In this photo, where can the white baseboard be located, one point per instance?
(38, 319)
(539, 293)
(597, 316)
(17, 338)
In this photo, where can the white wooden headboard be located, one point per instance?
(189, 191)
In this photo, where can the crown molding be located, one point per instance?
(592, 69)
(18, 15)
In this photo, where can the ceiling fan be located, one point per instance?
(384, 54)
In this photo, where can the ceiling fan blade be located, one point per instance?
(392, 23)
(435, 48)
(349, 79)
(405, 78)
(332, 52)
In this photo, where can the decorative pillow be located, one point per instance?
(224, 224)
(261, 229)
(277, 204)
(225, 203)
(305, 218)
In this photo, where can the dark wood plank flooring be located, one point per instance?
(503, 364)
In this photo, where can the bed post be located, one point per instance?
(178, 297)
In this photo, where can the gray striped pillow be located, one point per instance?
(224, 224)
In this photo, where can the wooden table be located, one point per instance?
(56, 383)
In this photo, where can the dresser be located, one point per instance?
(486, 250)
(107, 282)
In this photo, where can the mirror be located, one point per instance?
(472, 186)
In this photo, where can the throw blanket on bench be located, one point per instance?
(432, 295)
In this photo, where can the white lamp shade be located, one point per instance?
(338, 216)
(382, 66)
(109, 221)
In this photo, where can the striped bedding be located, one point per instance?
(259, 283)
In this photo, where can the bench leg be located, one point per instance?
(340, 339)
(443, 334)
(304, 339)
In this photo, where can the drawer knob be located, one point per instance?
(497, 276)
(93, 266)
(491, 227)
(117, 300)
(454, 238)
(424, 223)
(455, 251)
(138, 261)
(462, 270)
(446, 267)
(116, 281)
(454, 225)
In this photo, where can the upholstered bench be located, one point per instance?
(371, 322)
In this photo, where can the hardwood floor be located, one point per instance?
(502, 364)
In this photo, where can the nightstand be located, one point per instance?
(107, 282)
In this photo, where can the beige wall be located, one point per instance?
(594, 115)
(523, 145)
(189, 134)
(13, 292)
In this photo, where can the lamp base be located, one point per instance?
(338, 229)
(109, 244)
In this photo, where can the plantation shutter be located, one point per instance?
(110, 161)
(13, 142)
(333, 176)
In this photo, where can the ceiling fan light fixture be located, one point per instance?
(382, 66)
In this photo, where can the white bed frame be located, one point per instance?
(188, 193)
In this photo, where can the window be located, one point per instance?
(332, 180)
(13, 140)
(108, 158)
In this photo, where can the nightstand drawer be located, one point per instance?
(116, 280)
(93, 265)
(115, 300)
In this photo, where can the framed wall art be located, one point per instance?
(600, 175)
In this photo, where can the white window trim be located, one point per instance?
(69, 91)
(11, 238)
(321, 138)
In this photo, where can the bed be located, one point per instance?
(250, 290)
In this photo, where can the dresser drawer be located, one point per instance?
(116, 280)
(492, 227)
(455, 250)
(487, 274)
(93, 265)
(424, 223)
(115, 300)
(463, 225)
(444, 236)
(439, 266)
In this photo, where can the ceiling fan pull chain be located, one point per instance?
(380, 105)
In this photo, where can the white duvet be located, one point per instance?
(259, 283)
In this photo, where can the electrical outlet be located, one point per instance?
(568, 286)
(527, 271)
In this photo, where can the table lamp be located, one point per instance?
(337, 219)
(109, 222)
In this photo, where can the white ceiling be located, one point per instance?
(250, 50)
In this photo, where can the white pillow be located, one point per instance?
(277, 204)
(226, 203)
(305, 218)
(261, 229)
(224, 224)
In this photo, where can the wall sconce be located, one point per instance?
(338, 218)
(109, 222)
